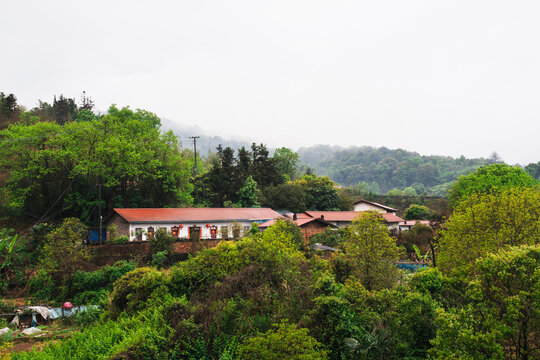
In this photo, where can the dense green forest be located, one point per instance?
(473, 291)
(369, 169)
(382, 169)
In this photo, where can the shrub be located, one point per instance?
(88, 317)
(330, 237)
(64, 252)
(428, 281)
(93, 287)
(42, 286)
(159, 259)
(161, 241)
(236, 230)
(124, 239)
(285, 341)
(287, 232)
(418, 212)
(133, 289)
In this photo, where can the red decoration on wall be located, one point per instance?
(181, 226)
(207, 225)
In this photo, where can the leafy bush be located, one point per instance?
(330, 237)
(64, 252)
(161, 241)
(159, 258)
(287, 232)
(89, 317)
(271, 250)
(428, 281)
(398, 320)
(133, 289)
(285, 341)
(143, 336)
(93, 287)
(124, 239)
(42, 286)
(418, 212)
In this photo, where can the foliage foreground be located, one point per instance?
(268, 297)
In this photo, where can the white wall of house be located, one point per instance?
(368, 207)
(183, 232)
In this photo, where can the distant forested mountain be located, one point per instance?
(383, 169)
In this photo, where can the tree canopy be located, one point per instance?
(484, 223)
(57, 167)
(489, 178)
(371, 252)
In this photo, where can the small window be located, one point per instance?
(150, 231)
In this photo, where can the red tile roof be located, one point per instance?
(164, 215)
(335, 215)
(349, 215)
(299, 221)
(391, 218)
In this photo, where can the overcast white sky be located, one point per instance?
(437, 77)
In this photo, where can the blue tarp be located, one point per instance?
(94, 235)
(410, 267)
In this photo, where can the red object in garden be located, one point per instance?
(67, 305)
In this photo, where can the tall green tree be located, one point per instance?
(286, 162)
(320, 192)
(487, 179)
(484, 223)
(371, 252)
(64, 251)
(249, 193)
(502, 319)
(56, 167)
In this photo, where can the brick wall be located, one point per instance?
(312, 228)
(122, 226)
(111, 253)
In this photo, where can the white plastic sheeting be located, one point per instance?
(59, 312)
(31, 331)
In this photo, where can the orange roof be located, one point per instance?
(349, 215)
(298, 221)
(165, 215)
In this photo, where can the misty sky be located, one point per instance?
(437, 77)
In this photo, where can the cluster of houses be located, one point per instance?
(218, 223)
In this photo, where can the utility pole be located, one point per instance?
(195, 151)
(100, 217)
